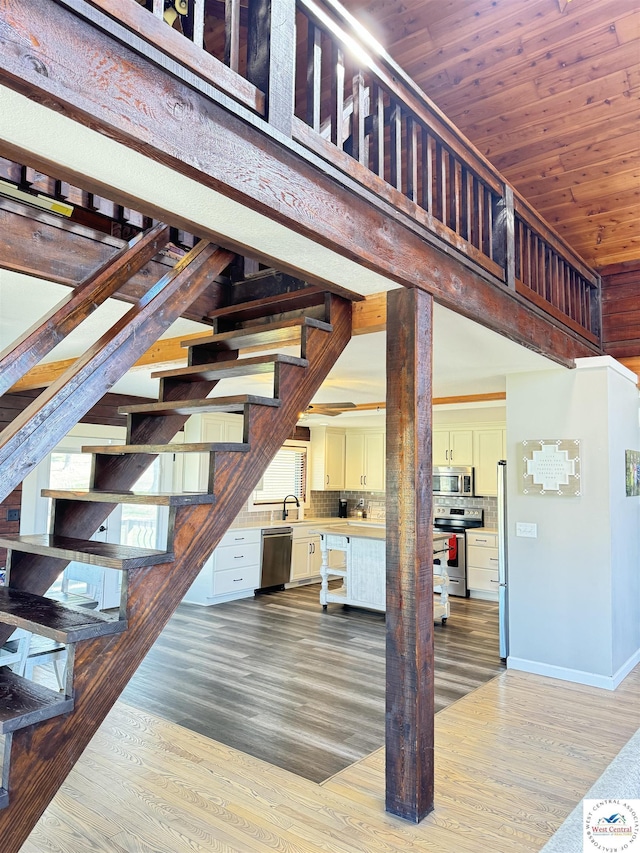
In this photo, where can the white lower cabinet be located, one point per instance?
(232, 571)
(482, 563)
(306, 558)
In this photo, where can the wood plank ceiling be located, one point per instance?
(548, 90)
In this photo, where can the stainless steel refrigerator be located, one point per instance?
(503, 562)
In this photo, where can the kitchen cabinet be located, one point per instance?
(306, 558)
(206, 428)
(489, 445)
(365, 460)
(452, 447)
(482, 563)
(232, 571)
(327, 459)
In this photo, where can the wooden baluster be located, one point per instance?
(232, 34)
(133, 217)
(271, 52)
(529, 270)
(476, 219)
(508, 235)
(337, 96)
(412, 159)
(314, 76)
(453, 206)
(395, 145)
(158, 8)
(595, 310)
(487, 222)
(198, 23)
(358, 143)
(39, 182)
(427, 171)
(441, 183)
(377, 133)
(103, 206)
(465, 223)
(74, 195)
(10, 171)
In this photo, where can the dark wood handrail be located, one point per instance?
(23, 354)
(40, 426)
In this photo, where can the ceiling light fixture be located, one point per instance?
(42, 201)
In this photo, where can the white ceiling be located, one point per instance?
(468, 358)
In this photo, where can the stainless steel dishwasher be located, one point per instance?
(275, 562)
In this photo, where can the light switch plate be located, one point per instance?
(526, 528)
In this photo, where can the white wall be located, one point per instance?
(574, 590)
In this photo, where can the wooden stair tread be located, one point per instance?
(144, 498)
(292, 300)
(23, 703)
(48, 618)
(234, 405)
(267, 334)
(85, 550)
(225, 370)
(193, 447)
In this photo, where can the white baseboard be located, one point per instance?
(592, 679)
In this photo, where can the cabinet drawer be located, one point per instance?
(484, 579)
(236, 580)
(250, 536)
(484, 540)
(232, 556)
(482, 558)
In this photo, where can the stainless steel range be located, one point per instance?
(455, 520)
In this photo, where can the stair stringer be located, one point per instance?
(43, 755)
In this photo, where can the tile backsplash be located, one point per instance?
(325, 505)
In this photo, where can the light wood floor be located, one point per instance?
(512, 760)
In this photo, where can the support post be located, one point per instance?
(409, 555)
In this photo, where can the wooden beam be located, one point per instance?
(409, 553)
(50, 247)
(219, 146)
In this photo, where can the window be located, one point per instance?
(286, 475)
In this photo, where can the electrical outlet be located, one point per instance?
(13, 515)
(526, 528)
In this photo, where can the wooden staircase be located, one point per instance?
(44, 732)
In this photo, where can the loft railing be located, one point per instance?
(312, 72)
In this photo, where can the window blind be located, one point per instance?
(286, 475)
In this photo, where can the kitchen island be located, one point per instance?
(364, 568)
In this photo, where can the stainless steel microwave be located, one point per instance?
(453, 482)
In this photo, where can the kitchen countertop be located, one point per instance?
(362, 530)
(483, 530)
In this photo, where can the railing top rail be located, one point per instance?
(371, 53)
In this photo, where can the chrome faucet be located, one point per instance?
(284, 506)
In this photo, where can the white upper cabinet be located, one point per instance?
(327, 459)
(365, 460)
(452, 447)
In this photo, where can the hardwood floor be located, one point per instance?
(512, 760)
(279, 679)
